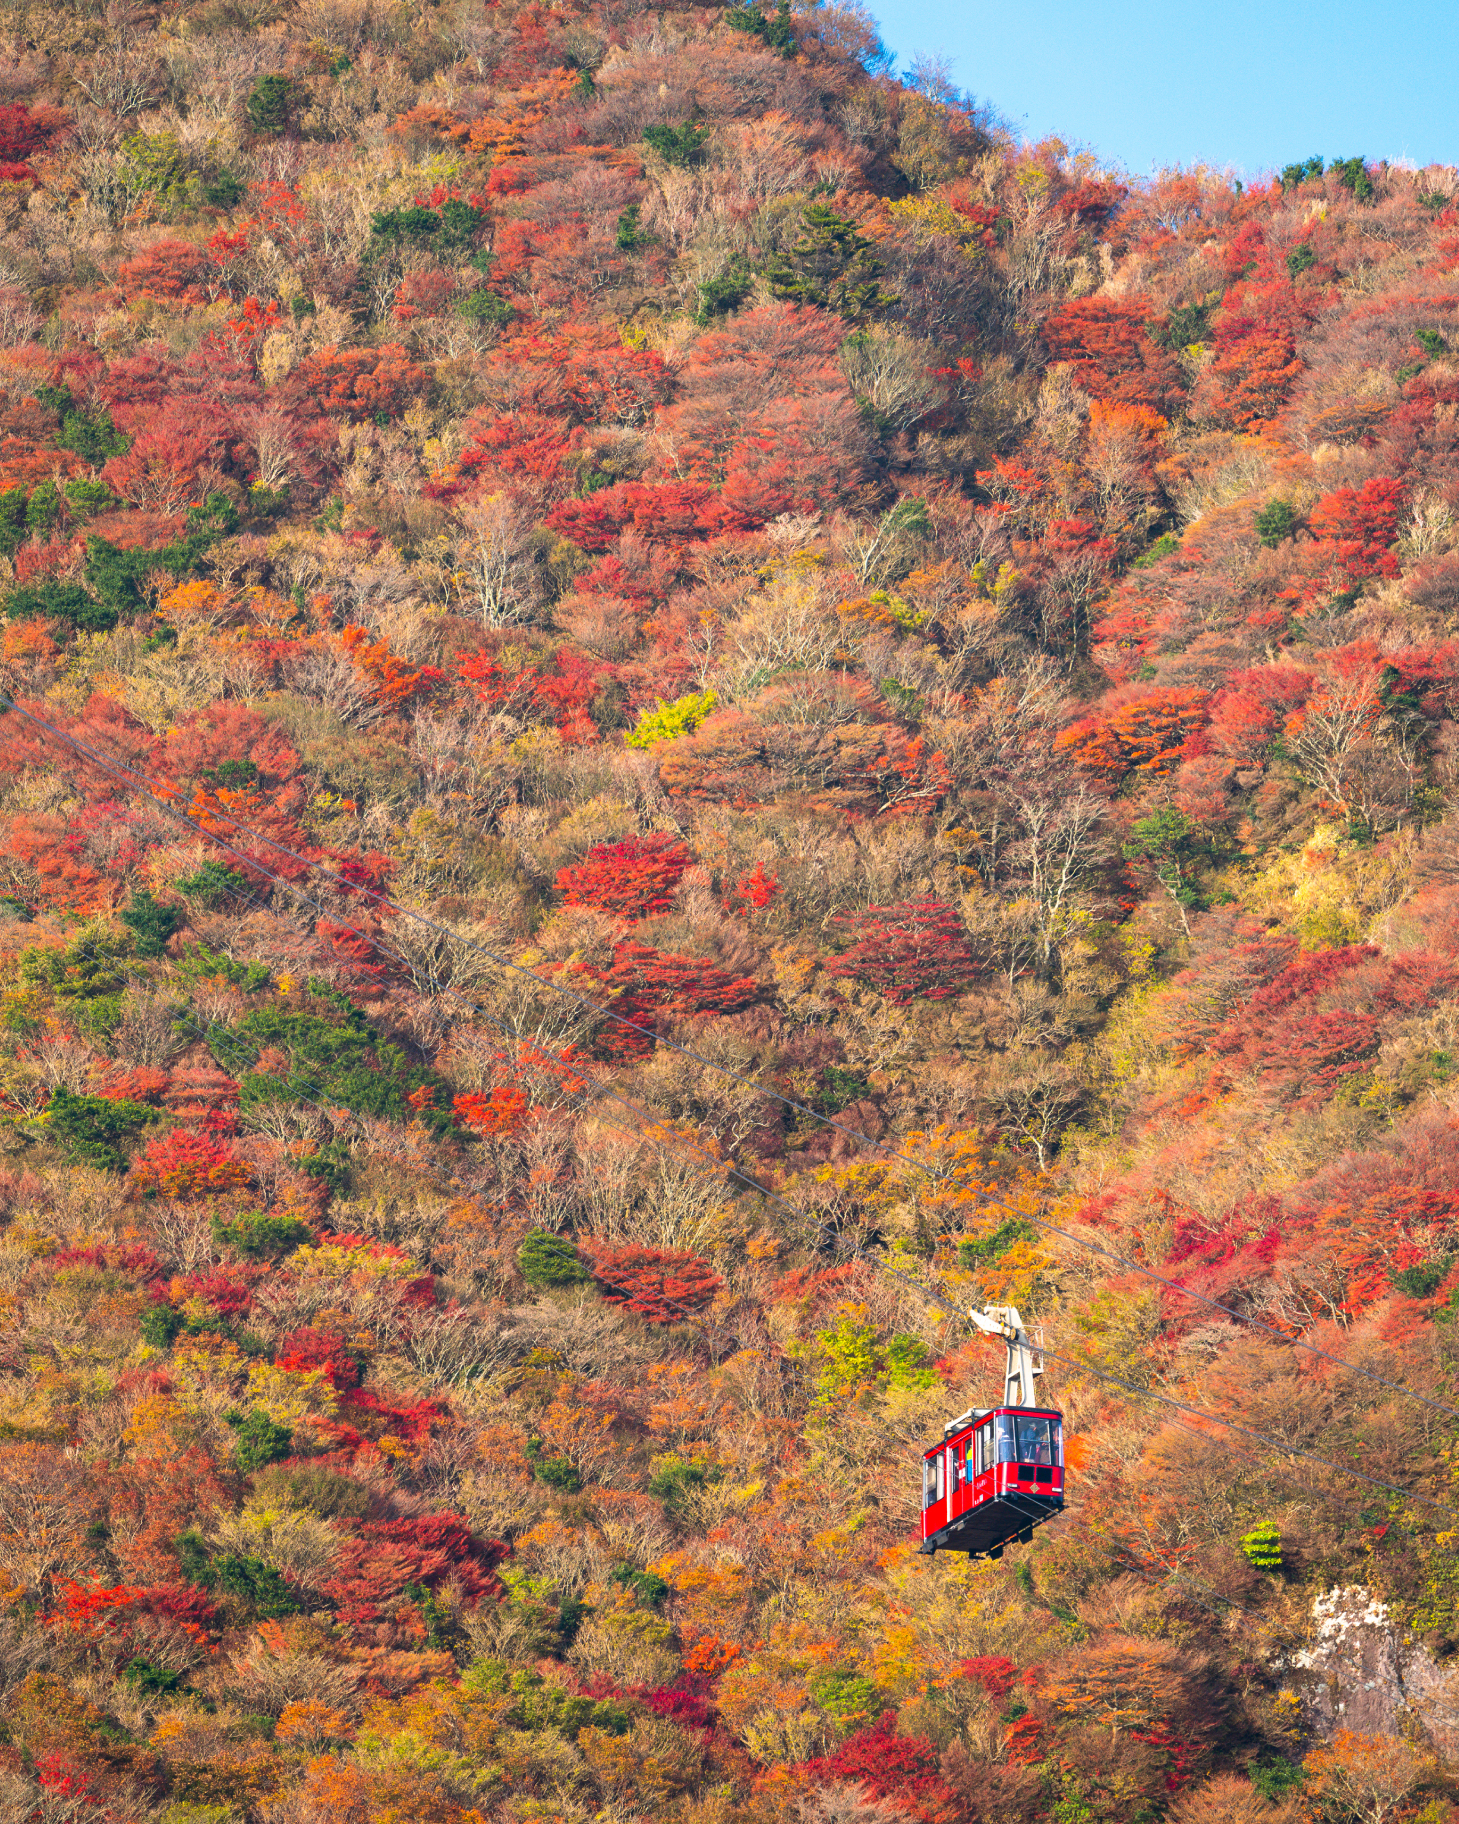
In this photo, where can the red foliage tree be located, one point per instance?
(52, 873)
(1147, 733)
(172, 269)
(742, 388)
(308, 1349)
(581, 372)
(753, 891)
(353, 952)
(24, 130)
(658, 510)
(1356, 528)
(904, 1768)
(395, 684)
(558, 688)
(356, 383)
(181, 1164)
(1256, 363)
(660, 1285)
(223, 735)
(117, 739)
(514, 446)
(1107, 342)
(994, 1673)
(915, 950)
(385, 1559)
(110, 1613)
(652, 981)
(173, 460)
(201, 1095)
(503, 1111)
(635, 878)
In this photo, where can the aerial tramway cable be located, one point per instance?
(119, 770)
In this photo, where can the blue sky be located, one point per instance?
(1253, 84)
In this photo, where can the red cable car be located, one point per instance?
(999, 1470)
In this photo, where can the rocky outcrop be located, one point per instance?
(1360, 1672)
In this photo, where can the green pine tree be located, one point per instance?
(831, 265)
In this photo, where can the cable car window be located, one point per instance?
(1005, 1439)
(941, 1477)
(984, 1446)
(1035, 1443)
(927, 1483)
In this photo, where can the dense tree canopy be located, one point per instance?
(669, 710)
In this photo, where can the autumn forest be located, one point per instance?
(669, 710)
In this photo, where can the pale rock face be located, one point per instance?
(1359, 1672)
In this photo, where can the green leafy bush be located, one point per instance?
(483, 306)
(262, 1237)
(1163, 547)
(539, 1705)
(545, 1260)
(909, 1363)
(720, 296)
(1352, 174)
(200, 964)
(213, 884)
(676, 1478)
(830, 264)
(1276, 1779)
(839, 1088)
(973, 1250)
(1185, 325)
(556, 1472)
(1276, 521)
(1262, 1546)
(157, 165)
(67, 602)
(161, 1324)
(649, 1588)
(150, 1680)
(254, 1585)
(682, 146)
(775, 31)
(452, 228)
(270, 104)
(1421, 1281)
(92, 436)
(150, 923)
(96, 1130)
(85, 499)
(334, 1057)
(261, 1440)
(1294, 175)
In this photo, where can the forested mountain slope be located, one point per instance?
(665, 702)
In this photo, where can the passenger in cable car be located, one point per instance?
(1034, 1442)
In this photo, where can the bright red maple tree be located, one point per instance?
(660, 1285)
(635, 878)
